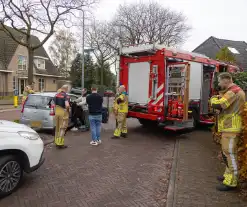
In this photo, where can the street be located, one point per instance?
(125, 172)
(136, 171)
(10, 114)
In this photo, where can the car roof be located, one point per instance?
(50, 94)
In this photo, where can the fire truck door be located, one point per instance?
(206, 87)
(138, 82)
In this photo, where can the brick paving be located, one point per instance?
(127, 172)
(10, 115)
(197, 168)
(4, 107)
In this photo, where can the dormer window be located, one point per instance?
(233, 50)
(40, 63)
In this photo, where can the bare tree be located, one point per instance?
(40, 17)
(63, 51)
(149, 23)
(97, 37)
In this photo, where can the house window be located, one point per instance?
(22, 62)
(40, 63)
(233, 50)
(41, 84)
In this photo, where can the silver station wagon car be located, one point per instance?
(37, 112)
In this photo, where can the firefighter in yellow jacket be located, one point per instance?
(61, 116)
(230, 106)
(27, 90)
(115, 106)
(121, 113)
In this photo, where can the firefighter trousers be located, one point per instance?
(61, 123)
(121, 127)
(229, 145)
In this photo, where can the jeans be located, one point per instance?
(95, 125)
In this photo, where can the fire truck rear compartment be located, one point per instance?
(178, 85)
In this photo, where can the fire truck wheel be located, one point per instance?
(147, 123)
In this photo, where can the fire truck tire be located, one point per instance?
(147, 123)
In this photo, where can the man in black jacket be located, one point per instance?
(95, 101)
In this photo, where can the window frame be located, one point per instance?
(41, 84)
(36, 62)
(22, 65)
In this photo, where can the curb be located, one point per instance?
(6, 110)
(171, 194)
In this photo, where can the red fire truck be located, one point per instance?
(168, 87)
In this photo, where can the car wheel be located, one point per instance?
(11, 173)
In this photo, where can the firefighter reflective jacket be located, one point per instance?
(122, 101)
(232, 106)
(25, 94)
(115, 104)
(60, 99)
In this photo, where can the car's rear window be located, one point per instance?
(38, 101)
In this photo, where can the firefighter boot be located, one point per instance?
(117, 131)
(61, 147)
(124, 135)
(229, 183)
(223, 187)
(220, 178)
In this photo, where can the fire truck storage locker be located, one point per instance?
(138, 82)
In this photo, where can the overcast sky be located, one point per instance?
(220, 18)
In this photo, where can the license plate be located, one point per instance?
(36, 124)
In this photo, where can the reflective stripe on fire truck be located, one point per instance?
(160, 96)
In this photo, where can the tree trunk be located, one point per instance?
(30, 65)
(102, 71)
(101, 74)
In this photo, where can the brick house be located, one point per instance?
(212, 46)
(13, 67)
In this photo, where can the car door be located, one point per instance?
(32, 116)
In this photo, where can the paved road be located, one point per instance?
(10, 115)
(197, 168)
(126, 172)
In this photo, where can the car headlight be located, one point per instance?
(29, 135)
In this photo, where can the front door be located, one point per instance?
(3, 84)
(22, 84)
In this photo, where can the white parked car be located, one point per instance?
(21, 150)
